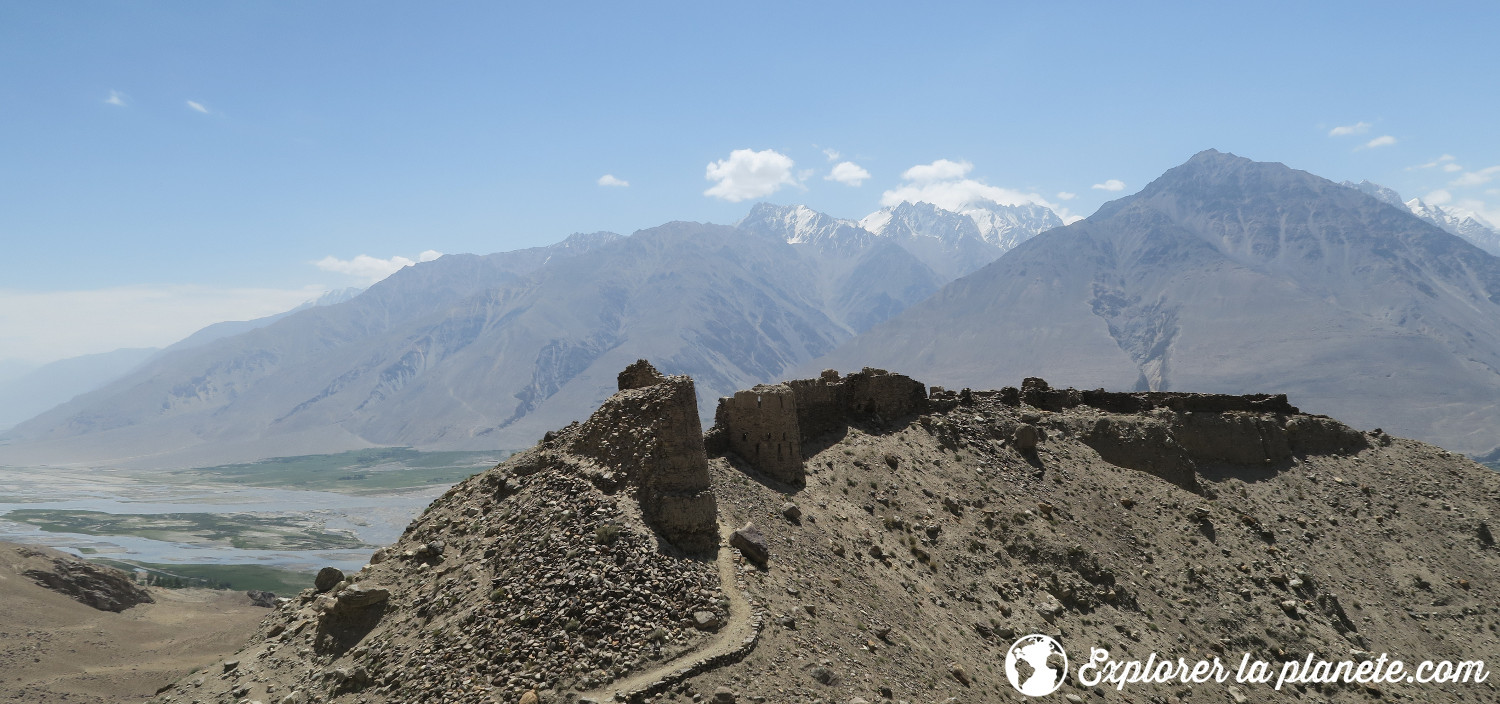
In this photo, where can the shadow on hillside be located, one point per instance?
(1219, 472)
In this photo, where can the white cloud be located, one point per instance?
(1438, 197)
(1381, 141)
(1346, 130)
(1476, 178)
(116, 98)
(940, 170)
(1481, 210)
(195, 105)
(749, 174)
(1440, 161)
(372, 269)
(50, 325)
(1064, 195)
(1113, 184)
(942, 183)
(847, 173)
(832, 154)
(610, 180)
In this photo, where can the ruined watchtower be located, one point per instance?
(649, 432)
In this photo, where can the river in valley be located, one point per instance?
(375, 520)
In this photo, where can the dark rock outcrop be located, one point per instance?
(103, 588)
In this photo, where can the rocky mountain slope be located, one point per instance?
(1228, 275)
(883, 542)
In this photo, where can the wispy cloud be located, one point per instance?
(195, 105)
(831, 153)
(1381, 141)
(1346, 130)
(1111, 185)
(610, 180)
(1444, 161)
(749, 174)
(1064, 195)
(1438, 197)
(50, 325)
(848, 173)
(372, 269)
(116, 98)
(1476, 178)
(945, 183)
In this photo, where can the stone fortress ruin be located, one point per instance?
(648, 435)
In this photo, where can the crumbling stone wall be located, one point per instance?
(1038, 394)
(761, 427)
(1170, 434)
(650, 437)
(753, 423)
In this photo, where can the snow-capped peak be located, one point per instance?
(1468, 225)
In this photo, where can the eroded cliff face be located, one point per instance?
(897, 546)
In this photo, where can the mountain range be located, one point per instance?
(1223, 275)
(1468, 225)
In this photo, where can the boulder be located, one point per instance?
(327, 578)
(358, 596)
(751, 544)
(1025, 437)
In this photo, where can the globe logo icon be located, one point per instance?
(1036, 665)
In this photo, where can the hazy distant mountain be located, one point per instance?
(26, 395)
(861, 278)
(230, 328)
(1229, 275)
(873, 268)
(462, 352)
(1463, 223)
(50, 384)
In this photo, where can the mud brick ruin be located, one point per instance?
(766, 425)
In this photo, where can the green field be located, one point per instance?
(378, 470)
(237, 577)
(240, 530)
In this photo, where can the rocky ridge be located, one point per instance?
(103, 588)
(927, 530)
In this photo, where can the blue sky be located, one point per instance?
(165, 165)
